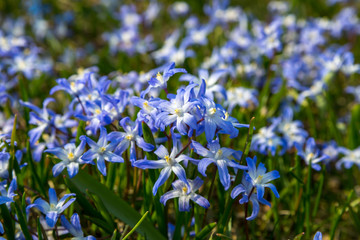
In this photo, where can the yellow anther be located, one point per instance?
(52, 206)
(184, 189)
(97, 111)
(159, 76)
(72, 84)
(129, 137)
(103, 149)
(212, 110)
(168, 159)
(70, 156)
(226, 116)
(89, 96)
(310, 156)
(146, 104)
(258, 179)
(220, 152)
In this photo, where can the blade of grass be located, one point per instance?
(137, 225)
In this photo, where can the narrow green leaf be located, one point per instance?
(115, 205)
(33, 170)
(80, 131)
(114, 236)
(338, 217)
(100, 223)
(159, 209)
(23, 222)
(137, 225)
(8, 222)
(299, 236)
(41, 232)
(100, 206)
(205, 231)
(355, 217)
(319, 191)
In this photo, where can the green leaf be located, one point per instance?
(81, 199)
(137, 225)
(115, 205)
(338, 217)
(23, 222)
(41, 231)
(205, 231)
(159, 209)
(8, 222)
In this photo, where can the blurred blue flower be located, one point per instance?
(311, 154)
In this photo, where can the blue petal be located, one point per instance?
(184, 204)
(164, 175)
(256, 209)
(200, 200)
(52, 196)
(223, 173)
(237, 190)
(210, 128)
(203, 164)
(200, 149)
(169, 195)
(73, 169)
(51, 218)
(273, 188)
(101, 165)
(67, 204)
(68, 226)
(75, 221)
(147, 147)
(58, 168)
(147, 164)
(180, 173)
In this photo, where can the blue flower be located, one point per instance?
(8, 195)
(102, 151)
(74, 227)
(132, 135)
(318, 236)
(4, 164)
(247, 190)
(40, 117)
(267, 141)
(70, 157)
(168, 162)
(185, 193)
(350, 157)
(311, 154)
(260, 179)
(220, 157)
(214, 118)
(177, 110)
(54, 208)
(149, 110)
(292, 131)
(160, 80)
(97, 113)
